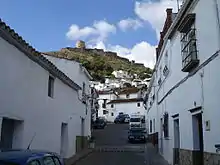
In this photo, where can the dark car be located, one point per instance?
(119, 119)
(99, 124)
(29, 157)
(137, 134)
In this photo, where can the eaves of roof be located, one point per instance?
(125, 100)
(13, 38)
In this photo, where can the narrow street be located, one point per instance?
(112, 148)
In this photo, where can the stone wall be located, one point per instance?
(188, 157)
(211, 158)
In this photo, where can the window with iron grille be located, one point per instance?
(189, 44)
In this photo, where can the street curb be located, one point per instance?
(77, 157)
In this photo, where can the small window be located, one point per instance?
(112, 105)
(150, 126)
(112, 114)
(51, 86)
(105, 112)
(127, 96)
(48, 161)
(84, 89)
(138, 104)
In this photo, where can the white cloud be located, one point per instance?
(141, 52)
(98, 31)
(154, 12)
(129, 23)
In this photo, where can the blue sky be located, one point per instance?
(45, 24)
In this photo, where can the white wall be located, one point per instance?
(190, 94)
(23, 88)
(72, 69)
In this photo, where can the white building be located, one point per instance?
(183, 101)
(37, 100)
(121, 74)
(88, 95)
(126, 100)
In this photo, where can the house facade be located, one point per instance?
(126, 100)
(88, 95)
(39, 103)
(182, 101)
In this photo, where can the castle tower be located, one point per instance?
(80, 44)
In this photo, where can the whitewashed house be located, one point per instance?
(87, 95)
(37, 100)
(183, 97)
(126, 100)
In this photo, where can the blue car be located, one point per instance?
(29, 157)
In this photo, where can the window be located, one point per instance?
(188, 43)
(112, 105)
(51, 86)
(112, 114)
(57, 161)
(135, 120)
(84, 88)
(105, 112)
(154, 125)
(127, 96)
(34, 162)
(138, 104)
(104, 103)
(48, 161)
(166, 125)
(150, 126)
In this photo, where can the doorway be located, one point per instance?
(64, 139)
(176, 141)
(82, 132)
(161, 136)
(198, 146)
(11, 133)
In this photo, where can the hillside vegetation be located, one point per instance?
(101, 64)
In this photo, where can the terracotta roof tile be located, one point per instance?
(128, 90)
(125, 100)
(13, 38)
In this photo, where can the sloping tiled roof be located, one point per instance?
(70, 59)
(129, 90)
(13, 38)
(125, 100)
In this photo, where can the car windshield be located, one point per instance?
(135, 120)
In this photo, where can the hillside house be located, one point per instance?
(126, 100)
(37, 100)
(183, 97)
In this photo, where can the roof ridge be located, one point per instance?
(11, 36)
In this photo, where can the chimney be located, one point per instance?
(169, 17)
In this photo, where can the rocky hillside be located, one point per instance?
(101, 64)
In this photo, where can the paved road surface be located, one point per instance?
(113, 139)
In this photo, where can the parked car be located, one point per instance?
(103, 118)
(126, 118)
(29, 157)
(122, 118)
(137, 135)
(99, 124)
